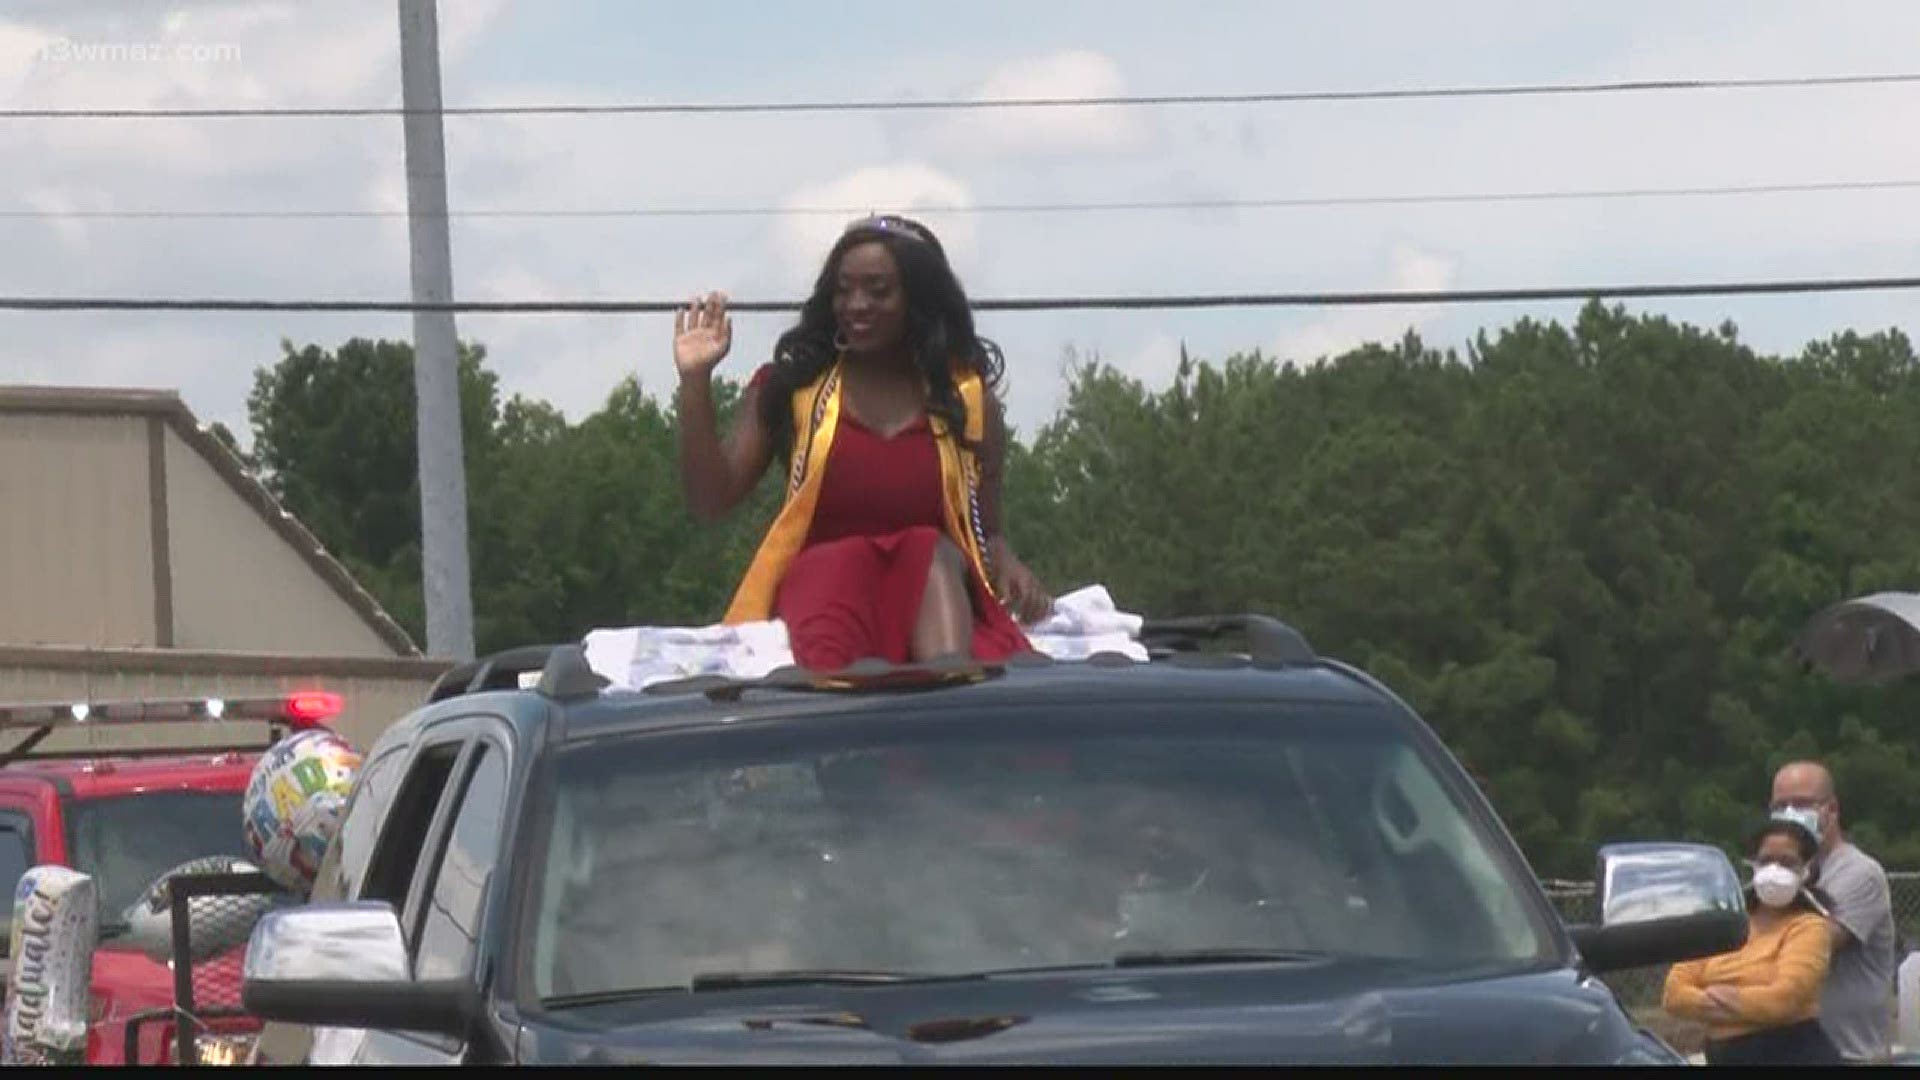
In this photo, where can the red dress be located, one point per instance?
(854, 590)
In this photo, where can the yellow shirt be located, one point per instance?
(1778, 972)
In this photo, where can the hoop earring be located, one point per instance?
(839, 342)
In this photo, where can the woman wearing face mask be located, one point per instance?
(1761, 1003)
(883, 404)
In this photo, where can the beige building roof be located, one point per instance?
(124, 525)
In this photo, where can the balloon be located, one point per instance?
(215, 924)
(293, 804)
(56, 924)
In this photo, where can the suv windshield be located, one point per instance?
(127, 841)
(953, 843)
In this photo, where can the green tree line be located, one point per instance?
(1582, 552)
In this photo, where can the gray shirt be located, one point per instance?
(1856, 1006)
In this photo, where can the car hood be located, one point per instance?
(1212, 1016)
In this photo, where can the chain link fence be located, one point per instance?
(210, 916)
(1640, 989)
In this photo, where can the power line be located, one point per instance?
(959, 104)
(1064, 303)
(1293, 202)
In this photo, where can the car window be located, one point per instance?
(971, 842)
(16, 854)
(128, 841)
(403, 830)
(1388, 824)
(457, 890)
(346, 865)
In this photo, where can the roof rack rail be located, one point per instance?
(565, 674)
(1268, 640)
(862, 675)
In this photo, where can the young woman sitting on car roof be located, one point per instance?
(884, 402)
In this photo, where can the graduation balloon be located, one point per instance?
(56, 924)
(293, 805)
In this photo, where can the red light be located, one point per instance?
(313, 706)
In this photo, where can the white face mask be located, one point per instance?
(1775, 885)
(1806, 818)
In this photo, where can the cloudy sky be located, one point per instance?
(345, 53)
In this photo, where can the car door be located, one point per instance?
(339, 877)
(434, 862)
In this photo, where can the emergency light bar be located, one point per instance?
(301, 709)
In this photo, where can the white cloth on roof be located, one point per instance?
(1083, 622)
(635, 656)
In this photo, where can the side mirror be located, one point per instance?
(1660, 904)
(345, 965)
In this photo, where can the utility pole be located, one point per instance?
(436, 363)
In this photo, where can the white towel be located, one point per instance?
(748, 651)
(1086, 612)
(610, 651)
(1079, 647)
(1083, 622)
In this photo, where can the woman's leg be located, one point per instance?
(944, 626)
(826, 602)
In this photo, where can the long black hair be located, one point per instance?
(939, 330)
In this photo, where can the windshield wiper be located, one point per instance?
(744, 980)
(1177, 957)
(606, 997)
(737, 980)
(1173, 958)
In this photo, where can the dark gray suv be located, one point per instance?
(1217, 856)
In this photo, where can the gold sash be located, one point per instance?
(816, 417)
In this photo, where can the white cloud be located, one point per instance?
(1051, 131)
(255, 54)
(515, 283)
(346, 53)
(1154, 362)
(19, 45)
(659, 162)
(802, 240)
(1341, 329)
(73, 232)
(228, 54)
(464, 23)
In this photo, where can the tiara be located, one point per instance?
(892, 224)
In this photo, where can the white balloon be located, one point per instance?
(293, 804)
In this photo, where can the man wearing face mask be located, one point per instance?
(1856, 1008)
